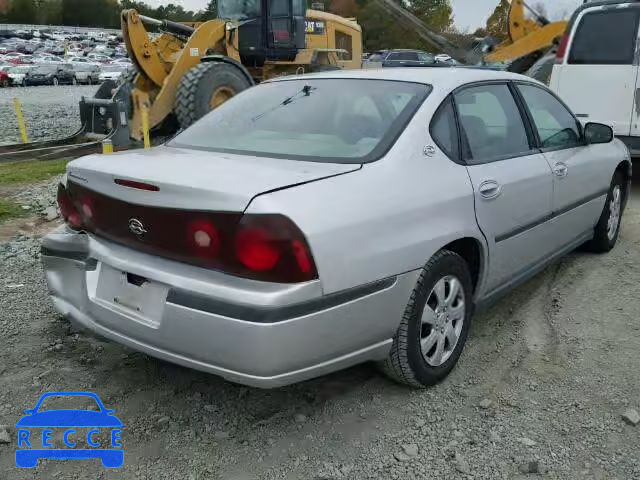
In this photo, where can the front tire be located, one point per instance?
(205, 87)
(55, 82)
(435, 325)
(605, 235)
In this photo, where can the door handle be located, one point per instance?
(490, 189)
(560, 169)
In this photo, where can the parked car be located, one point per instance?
(585, 64)
(96, 57)
(48, 59)
(122, 61)
(112, 72)
(399, 58)
(274, 270)
(18, 74)
(87, 73)
(5, 80)
(51, 74)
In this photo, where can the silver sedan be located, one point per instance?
(316, 222)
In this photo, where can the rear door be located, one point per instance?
(599, 72)
(512, 181)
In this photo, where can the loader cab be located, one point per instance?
(268, 29)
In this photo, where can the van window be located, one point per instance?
(606, 38)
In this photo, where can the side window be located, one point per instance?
(344, 42)
(556, 126)
(402, 56)
(444, 131)
(491, 123)
(426, 57)
(606, 38)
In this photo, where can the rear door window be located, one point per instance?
(492, 126)
(606, 38)
(444, 131)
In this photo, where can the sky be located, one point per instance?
(471, 14)
(468, 14)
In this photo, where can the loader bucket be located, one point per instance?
(107, 114)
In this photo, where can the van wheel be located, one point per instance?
(435, 325)
(605, 235)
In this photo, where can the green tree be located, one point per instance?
(380, 29)
(22, 11)
(210, 12)
(436, 14)
(50, 12)
(498, 22)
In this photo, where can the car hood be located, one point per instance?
(194, 179)
(69, 418)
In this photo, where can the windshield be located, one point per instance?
(238, 10)
(322, 120)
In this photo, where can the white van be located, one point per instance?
(596, 72)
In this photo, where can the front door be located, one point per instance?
(580, 176)
(512, 182)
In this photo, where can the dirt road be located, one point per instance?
(540, 388)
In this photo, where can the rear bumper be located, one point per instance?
(253, 333)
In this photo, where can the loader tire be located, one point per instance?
(205, 87)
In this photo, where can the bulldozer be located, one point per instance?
(187, 70)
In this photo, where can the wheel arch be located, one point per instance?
(473, 253)
(230, 61)
(625, 169)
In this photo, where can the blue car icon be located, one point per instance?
(29, 433)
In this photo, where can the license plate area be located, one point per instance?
(134, 295)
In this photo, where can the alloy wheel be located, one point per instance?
(442, 320)
(615, 205)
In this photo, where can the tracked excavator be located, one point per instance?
(182, 71)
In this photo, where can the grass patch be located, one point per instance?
(9, 210)
(30, 172)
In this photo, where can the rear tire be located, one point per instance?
(605, 235)
(205, 87)
(55, 82)
(435, 312)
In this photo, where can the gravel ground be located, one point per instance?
(50, 112)
(539, 392)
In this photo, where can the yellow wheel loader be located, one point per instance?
(530, 38)
(188, 69)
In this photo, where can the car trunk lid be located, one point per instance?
(196, 180)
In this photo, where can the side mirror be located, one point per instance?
(598, 133)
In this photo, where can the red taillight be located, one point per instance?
(69, 213)
(274, 248)
(203, 238)
(256, 250)
(562, 48)
(264, 247)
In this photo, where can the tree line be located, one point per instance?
(380, 30)
(95, 13)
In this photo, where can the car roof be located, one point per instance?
(598, 3)
(451, 77)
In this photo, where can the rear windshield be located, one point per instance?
(322, 120)
(606, 38)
